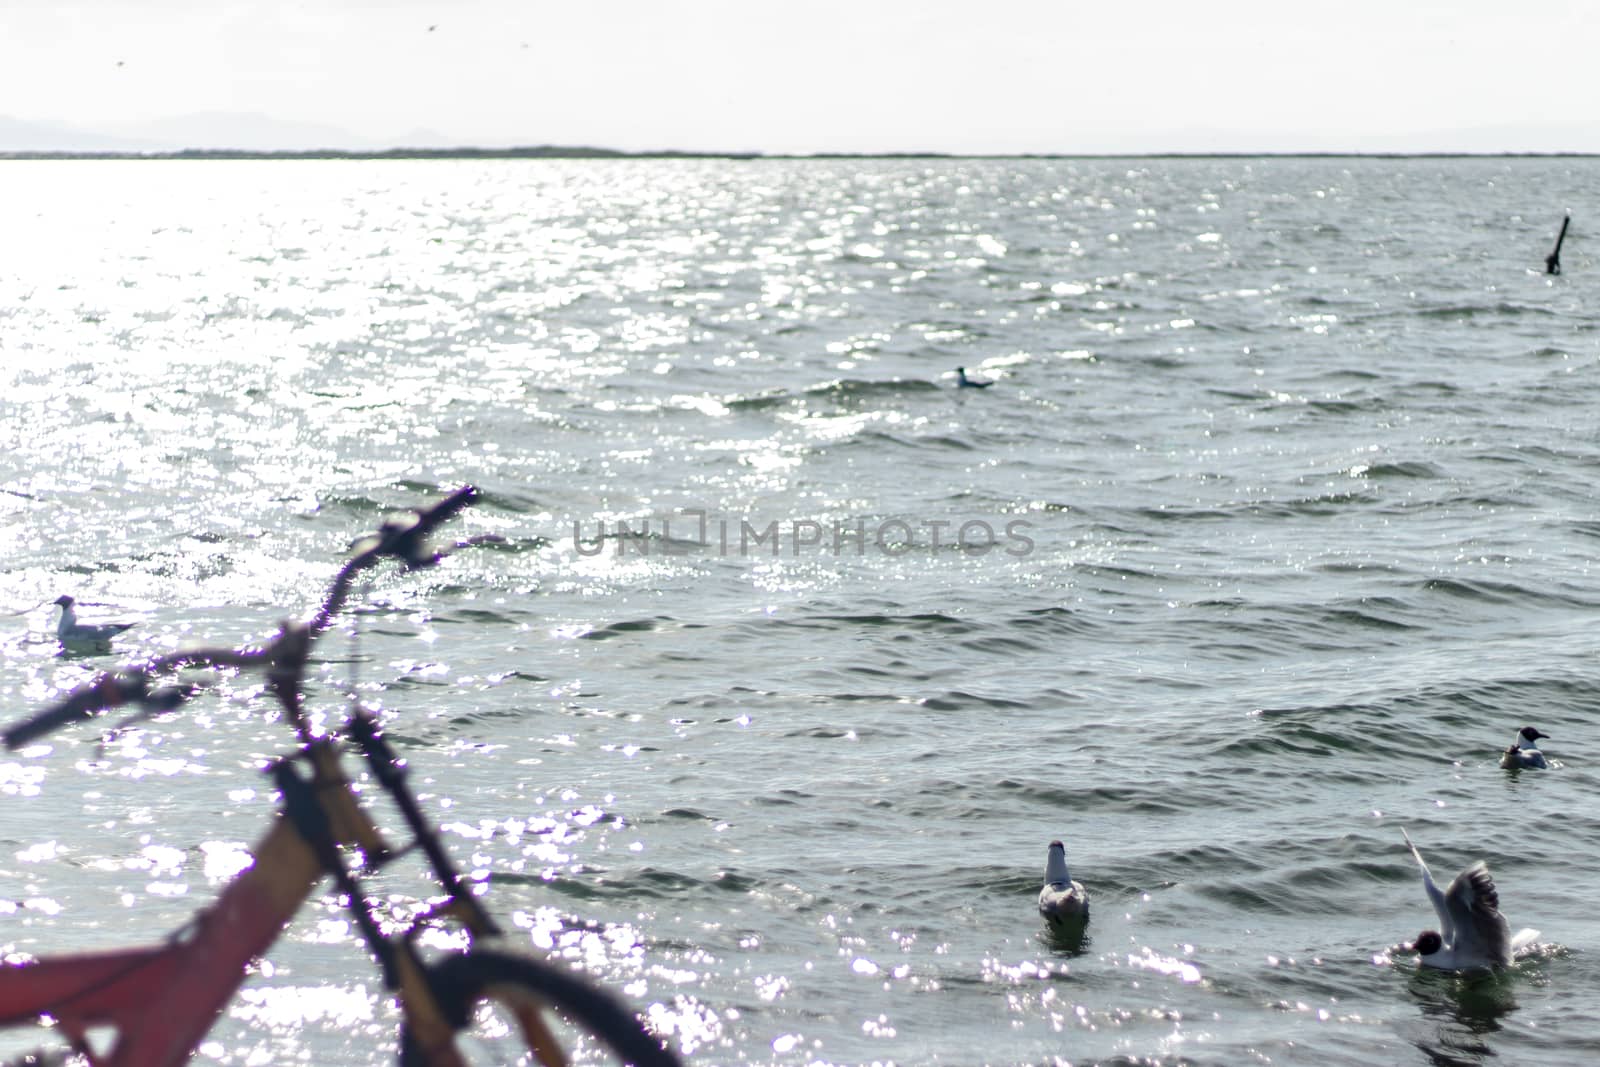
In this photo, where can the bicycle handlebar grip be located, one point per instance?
(449, 505)
(405, 539)
(108, 692)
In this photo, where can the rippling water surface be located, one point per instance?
(1278, 521)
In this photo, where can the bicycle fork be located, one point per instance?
(404, 973)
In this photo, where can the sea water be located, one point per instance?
(1277, 522)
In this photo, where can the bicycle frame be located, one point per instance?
(162, 999)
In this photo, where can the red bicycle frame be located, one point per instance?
(162, 999)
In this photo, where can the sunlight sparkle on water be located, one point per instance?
(292, 1007)
(1149, 959)
(693, 1025)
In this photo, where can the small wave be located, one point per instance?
(1000, 645)
(1101, 570)
(1062, 621)
(1241, 395)
(644, 541)
(688, 814)
(932, 622)
(845, 391)
(1352, 374)
(474, 616)
(957, 700)
(515, 545)
(918, 444)
(1293, 739)
(1172, 513)
(1487, 592)
(1205, 859)
(858, 388)
(1469, 311)
(650, 882)
(1155, 799)
(1327, 406)
(626, 627)
(1244, 628)
(1401, 469)
(1431, 387)
(761, 401)
(851, 733)
(502, 500)
(1318, 505)
(1367, 616)
(359, 505)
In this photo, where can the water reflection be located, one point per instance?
(1066, 942)
(1466, 1009)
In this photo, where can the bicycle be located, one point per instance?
(161, 1000)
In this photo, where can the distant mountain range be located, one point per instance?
(205, 133)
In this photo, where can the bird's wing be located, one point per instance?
(104, 630)
(1063, 902)
(1474, 906)
(1446, 923)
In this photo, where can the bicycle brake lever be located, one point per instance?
(404, 537)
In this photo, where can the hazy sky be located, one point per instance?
(847, 75)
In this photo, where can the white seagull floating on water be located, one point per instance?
(1523, 751)
(79, 635)
(1063, 902)
(1472, 934)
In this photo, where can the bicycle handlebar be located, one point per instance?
(107, 691)
(403, 539)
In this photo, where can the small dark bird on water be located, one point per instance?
(1552, 262)
(963, 382)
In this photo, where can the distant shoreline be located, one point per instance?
(579, 152)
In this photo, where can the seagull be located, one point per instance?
(1523, 751)
(1063, 902)
(74, 634)
(963, 382)
(1472, 934)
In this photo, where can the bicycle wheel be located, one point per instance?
(490, 999)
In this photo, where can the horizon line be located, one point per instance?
(587, 152)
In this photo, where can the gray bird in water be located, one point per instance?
(1523, 752)
(1472, 934)
(1063, 902)
(81, 636)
